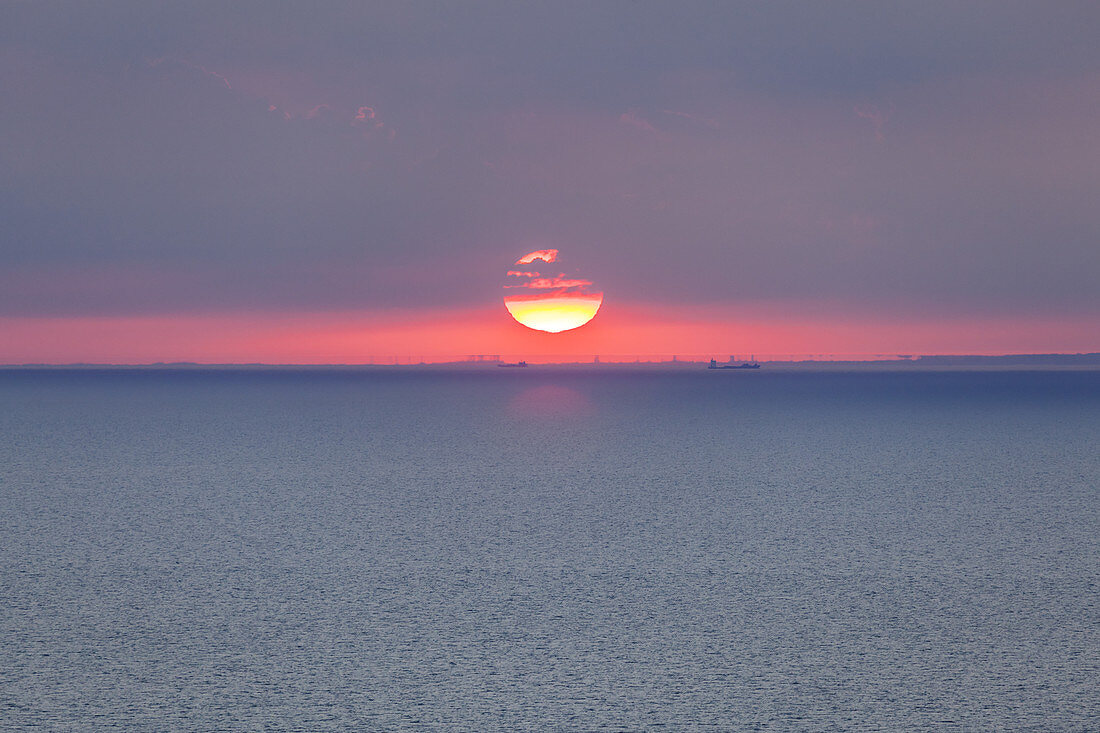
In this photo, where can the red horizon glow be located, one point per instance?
(624, 333)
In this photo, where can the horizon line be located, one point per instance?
(1039, 358)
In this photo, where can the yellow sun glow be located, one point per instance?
(554, 314)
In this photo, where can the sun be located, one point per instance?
(556, 314)
(540, 299)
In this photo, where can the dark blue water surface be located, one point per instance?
(538, 549)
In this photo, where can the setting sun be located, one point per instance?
(554, 314)
(545, 301)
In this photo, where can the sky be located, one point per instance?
(348, 181)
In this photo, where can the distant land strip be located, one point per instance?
(1079, 360)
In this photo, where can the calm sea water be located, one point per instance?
(549, 550)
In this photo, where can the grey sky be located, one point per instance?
(916, 157)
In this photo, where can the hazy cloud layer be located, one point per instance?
(166, 157)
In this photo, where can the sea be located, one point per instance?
(599, 548)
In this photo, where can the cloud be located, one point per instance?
(543, 283)
(546, 255)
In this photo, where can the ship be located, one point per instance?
(753, 364)
(516, 364)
